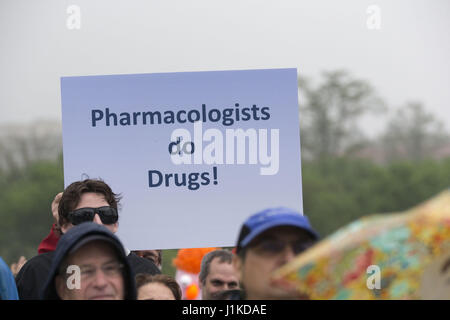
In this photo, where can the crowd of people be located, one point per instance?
(83, 259)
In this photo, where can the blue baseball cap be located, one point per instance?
(271, 218)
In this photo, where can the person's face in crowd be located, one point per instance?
(265, 254)
(222, 276)
(101, 275)
(92, 200)
(155, 291)
(152, 255)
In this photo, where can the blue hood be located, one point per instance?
(8, 289)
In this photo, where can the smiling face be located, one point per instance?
(101, 275)
(265, 254)
(92, 200)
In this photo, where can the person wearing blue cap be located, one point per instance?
(268, 240)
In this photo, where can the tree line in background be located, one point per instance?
(330, 115)
(345, 175)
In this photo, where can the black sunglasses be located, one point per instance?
(108, 215)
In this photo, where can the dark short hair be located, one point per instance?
(143, 278)
(223, 255)
(72, 196)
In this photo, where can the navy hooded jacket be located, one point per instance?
(70, 240)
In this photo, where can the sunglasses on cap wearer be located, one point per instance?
(107, 214)
(276, 246)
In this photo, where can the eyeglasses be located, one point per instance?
(152, 255)
(110, 270)
(108, 215)
(276, 246)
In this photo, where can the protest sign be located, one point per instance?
(193, 154)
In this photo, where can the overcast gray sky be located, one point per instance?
(406, 59)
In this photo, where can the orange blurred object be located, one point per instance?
(190, 259)
(192, 292)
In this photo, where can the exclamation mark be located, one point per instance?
(215, 174)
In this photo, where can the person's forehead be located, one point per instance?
(91, 200)
(156, 289)
(218, 268)
(93, 252)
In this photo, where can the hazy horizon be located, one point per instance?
(405, 60)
